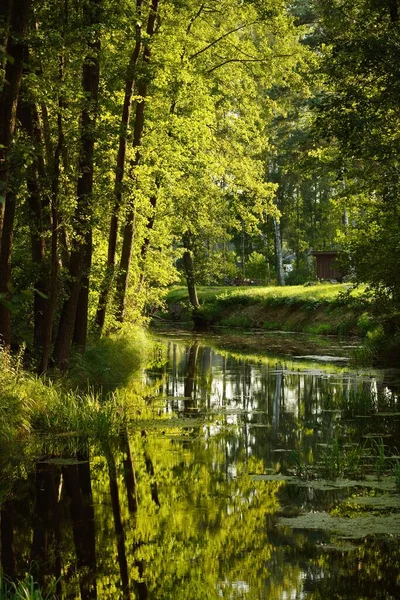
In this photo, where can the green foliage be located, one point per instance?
(305, 295)
(302, 274)
(256, 267)
(357, 118)
(339, 461)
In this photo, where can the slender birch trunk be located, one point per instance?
(278, 253)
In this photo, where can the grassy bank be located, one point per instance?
(324, 308)
(99, 393)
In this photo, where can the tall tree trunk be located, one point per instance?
(278, 253)
(149, 225)
(29, 119)
(81, 318)
(127, 244)
(146, 242)
(189, 270)
(19, 24)
(296, 191)
(81, 251)
(5, 14)
(53, 283)
(394, 11)
(119, 177)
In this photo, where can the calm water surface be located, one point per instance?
(204, 500)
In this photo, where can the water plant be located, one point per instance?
(25, 589)
(300, 465)
(396, 473)
(338, 459)
(378, 449)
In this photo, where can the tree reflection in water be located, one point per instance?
(177, 512)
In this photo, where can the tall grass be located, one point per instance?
(111, 362)
(23, 590)
(92, 400)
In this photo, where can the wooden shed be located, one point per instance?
(327, 267)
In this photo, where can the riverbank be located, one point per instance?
(335, 309)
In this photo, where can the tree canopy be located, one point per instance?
(141, 142)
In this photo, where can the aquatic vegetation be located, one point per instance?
(85, 402)
(356, 527)
(396, 472)
(301, 464)
(26, 589)
(200, 461)
(337, 460)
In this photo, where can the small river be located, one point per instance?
(252, 476)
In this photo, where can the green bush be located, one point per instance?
(300, 276)
(256, 267)
(110, 362)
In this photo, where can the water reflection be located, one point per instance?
(177, 511)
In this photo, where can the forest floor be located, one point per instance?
(338, 309)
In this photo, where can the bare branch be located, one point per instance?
(221, 38)
(193, 19)
(247, 60)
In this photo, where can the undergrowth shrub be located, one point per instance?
(110, 362)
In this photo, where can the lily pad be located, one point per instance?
(351, 528)
(384, 484)
(266, 477)
(387, 501)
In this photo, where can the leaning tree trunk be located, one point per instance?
(127, 244)
(189, 270)
(81, 252)
(278, 253)
(19, 24)
(119, 178)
